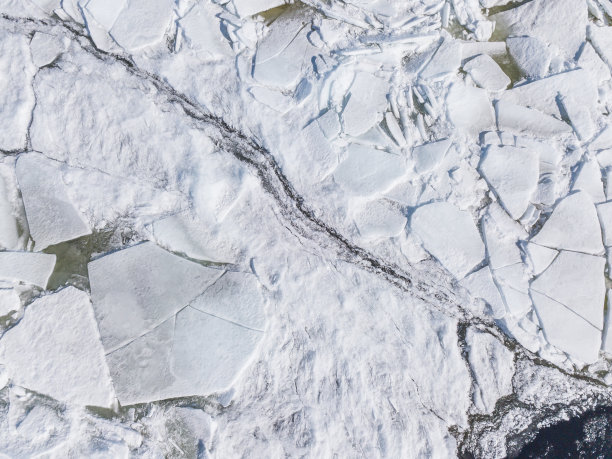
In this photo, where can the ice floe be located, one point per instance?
(428, 156)
(450, 235)
(486, 73)
(52, 218)
(469, 108)
(531, 55)
(55, 350)
(9, 301)
(480, 284)
(31, 268)
(366, 104)
(513, 173)
(573, 225)
(376, 219)
(524, 120)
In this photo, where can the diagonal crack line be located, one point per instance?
(294, 210)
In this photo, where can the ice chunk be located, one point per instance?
(606, 344)
(523, 120)
(322, 158)
(540, 257)
(579, 116)
(481, 285)
(589, 180)
(486, 73)
(251, 7)
(16, 94)
(428, 156)
(471, 49)
(235, 297)
(502, 234)
(590, 61)
(141, 23)
(469, 108)
(280, 34)
(51, 216)
(603, 141)
(274, 99)
(329, 123)
(573, 225)
(513, 173)
(601, 39)
(366, 170)
(493, 367)
(378, 219)
(28, 267)
(366, 104)
(9, 236)
(561, 23)
(576, 280)
(45, 48)
(605, 216)
(543, 94)
(203, 31)
(531, 55)
(445, 61)
(55, 350)
(394, 129)
(514, 287)
(9, 301)
(566, 330)
(135, 289)
(105, 12)
(450, 235)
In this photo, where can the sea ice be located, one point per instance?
(486, 73)
(605, 216)
(523, 120)
(45, 48)
(469, 108)
(540, 257)
(601, 39)
(566, 330)
(428, 156)
(9, 235)
(366, 104)
(202, 31)
(603, 141)
(321, 156)
(606, 344)
(9, 301)
(480, 284)
(573, 225)
(450, 235)
(31, 268)
(502, 234)
(378, 219)
(531, 55)
(52, 218)
(579, 116)
(513, 173)
(135, 289)
(576, 280)
(590, 61)
(589, 180)
(141, 23)
(55, 350)
(251, 7)
(366, 171)
(445, 61)
(493, 367)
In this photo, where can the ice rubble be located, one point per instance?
(156, 311)
(55, 350)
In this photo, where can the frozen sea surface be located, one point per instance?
(271, 228)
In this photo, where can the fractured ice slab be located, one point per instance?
(445, 61)
(486, 73)
(55, 350)
(493, 367)
(135, 289)
(45, 48)
(469, 108)
(9, 301)
(16, 94)
(366, 170)
(202, 31)
(576, 280)
(9, 235)
(603, 140)
(428, 156)
(590, 60)
(141, 23)
(604, 211)
(523, 120)
(560, 23)
(251, 7)
(480, 284)
(531, 55)
(589, 180)
(606, 344)
(52, 218)
(377, 219)
(601, 38)
(450, 235)
(513, 173)
(366, 104)
(540, 257)
(566, 330)
(573, 225)
(31, 268)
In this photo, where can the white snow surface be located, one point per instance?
(269, 228)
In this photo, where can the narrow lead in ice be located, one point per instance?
(135, 289)
(55, 350)
(450, 235)
(27, 267)
(52, 217)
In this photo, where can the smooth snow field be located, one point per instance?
(305, 228)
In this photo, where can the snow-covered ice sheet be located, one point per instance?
(302, 229)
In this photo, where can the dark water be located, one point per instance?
(586, 436)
